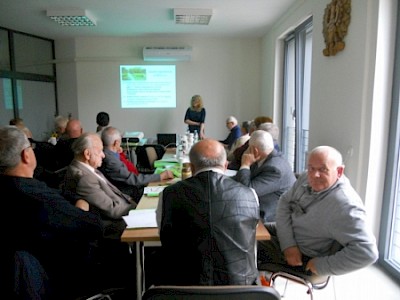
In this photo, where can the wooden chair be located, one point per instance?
(234, 292)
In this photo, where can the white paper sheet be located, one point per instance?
(141, 218)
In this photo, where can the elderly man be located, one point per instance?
(234, 132)
(117, 172)
(321, 209)
(266, 171)
(208, 224)
(45, 224)
(83, 178)
(63, 152)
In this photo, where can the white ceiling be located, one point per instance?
(145, 18)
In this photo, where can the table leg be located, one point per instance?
(138, 272)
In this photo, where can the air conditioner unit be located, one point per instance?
(167, 53)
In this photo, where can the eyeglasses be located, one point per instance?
(31, 145)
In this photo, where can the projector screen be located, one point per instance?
(148, 86)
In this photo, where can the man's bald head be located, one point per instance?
(74, 128)
(206, 154)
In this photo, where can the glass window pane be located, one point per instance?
(289, 114)
(33, 55)
(7, 106)
(4, 51)
(37, 107)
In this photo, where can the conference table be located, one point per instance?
(139, 238)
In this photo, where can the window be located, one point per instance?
(389, 244)
(28, 81)
(296, 95)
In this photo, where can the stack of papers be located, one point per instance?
(141, 218)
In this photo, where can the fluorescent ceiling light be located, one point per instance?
(192, 16)
(71, 17)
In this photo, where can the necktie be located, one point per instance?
(113, 187)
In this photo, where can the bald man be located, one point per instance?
(208, 224)
(63, 152)
(321, 209)
(74, 128)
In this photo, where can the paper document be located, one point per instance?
(141, 218)
(153, 190)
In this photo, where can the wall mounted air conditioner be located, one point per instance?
(167, 53)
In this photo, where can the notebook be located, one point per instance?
(166, 139)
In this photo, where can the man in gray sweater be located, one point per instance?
(321, 209)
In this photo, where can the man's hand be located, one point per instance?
(293, 256)
(248, 158)
(82, 204)
(311, 266)
(166, 175)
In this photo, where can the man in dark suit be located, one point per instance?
(208, 224)
(266, 171)
(63, 152)
(234, 132)
(45, 224)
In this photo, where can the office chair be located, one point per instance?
(312, 282)
(146, 156)
(233, 292)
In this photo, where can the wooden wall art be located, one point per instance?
(335, 24)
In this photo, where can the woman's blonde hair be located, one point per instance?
(199, 100)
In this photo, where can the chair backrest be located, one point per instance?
(30, 278)
(146, 155)
(235, 292)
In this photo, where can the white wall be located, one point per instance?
(344, 89)
(350, 92)
(225, 72)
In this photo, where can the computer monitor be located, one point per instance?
(166, 139)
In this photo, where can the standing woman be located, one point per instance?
(196, 115)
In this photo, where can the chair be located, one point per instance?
(146, 156)
(312, 282)
(234, 292)
(30, 279)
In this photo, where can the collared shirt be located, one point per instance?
(91, 169)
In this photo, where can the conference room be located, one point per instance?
(238, 67)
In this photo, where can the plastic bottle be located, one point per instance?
(196, 137)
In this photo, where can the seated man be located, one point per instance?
(45, 223)
(245, 130)
(63, 151)
(83, 178)
(235, 158)
(117, 172)
(266, 171)
(208, 224)
(234, 134)
(320, 209)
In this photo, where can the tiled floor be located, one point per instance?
(367, 284)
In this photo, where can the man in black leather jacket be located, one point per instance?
(208, 224)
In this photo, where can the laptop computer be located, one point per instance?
(166, 139)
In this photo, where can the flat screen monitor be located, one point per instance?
(166, 139)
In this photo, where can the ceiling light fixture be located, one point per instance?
(197, 16)
(71, 17)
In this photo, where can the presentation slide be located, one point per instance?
(148, 86)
